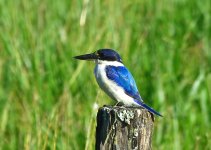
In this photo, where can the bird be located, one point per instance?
(115, 79)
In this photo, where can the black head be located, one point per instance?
(108, 54)
(101, 54)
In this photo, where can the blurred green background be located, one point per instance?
(48, 100)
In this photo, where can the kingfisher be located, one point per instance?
(115, 79)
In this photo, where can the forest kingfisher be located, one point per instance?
(115, 79)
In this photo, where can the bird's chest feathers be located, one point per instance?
(109, 86)
(100, 72)
(100, 75)
(104, 82)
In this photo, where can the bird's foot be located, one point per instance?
(119, 104)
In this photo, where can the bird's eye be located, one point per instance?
(101, 54)
(96, 53)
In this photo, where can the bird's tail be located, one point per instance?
(148, 108)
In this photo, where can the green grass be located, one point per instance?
(47, 97)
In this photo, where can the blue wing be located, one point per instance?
(123, 78)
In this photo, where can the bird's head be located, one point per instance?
(101, 55)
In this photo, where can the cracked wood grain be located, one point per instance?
(124, 128)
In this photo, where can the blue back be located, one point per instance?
(122, 77)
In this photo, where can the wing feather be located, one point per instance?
(122, 77)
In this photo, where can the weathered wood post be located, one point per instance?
(123, 128)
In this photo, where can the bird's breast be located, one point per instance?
(100, 74)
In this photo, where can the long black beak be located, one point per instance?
(91, 56)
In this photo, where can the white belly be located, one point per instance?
(110, 87)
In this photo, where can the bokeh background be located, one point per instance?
(48, 100)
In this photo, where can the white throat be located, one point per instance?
(105, 62)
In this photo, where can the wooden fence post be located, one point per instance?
(123, 128)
